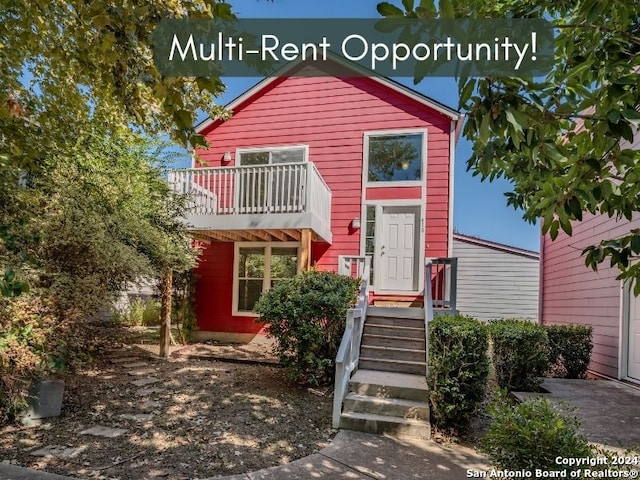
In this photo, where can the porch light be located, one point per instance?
(355, 223)
(226, 158)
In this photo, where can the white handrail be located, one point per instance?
(348, 354)
(254, 189)
(428, 307)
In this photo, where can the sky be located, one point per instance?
(480, 208)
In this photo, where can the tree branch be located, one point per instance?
(591, 26)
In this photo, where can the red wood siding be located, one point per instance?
(330, 115)
(214, 292)
(393, 193)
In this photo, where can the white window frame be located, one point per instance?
(394, 183)
(266, 281)
(269, 149)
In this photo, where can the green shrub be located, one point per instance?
(520, 354)
(134, 316)
(531, 435)
(183, 312)
(571, 347)
(306, 315)
(141, 312)
(36, 342)
(151, 313)
(458, 369)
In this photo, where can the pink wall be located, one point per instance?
(574, 294)
(330, 115)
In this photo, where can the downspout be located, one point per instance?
(541, 278)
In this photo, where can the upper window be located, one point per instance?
(395, 158)
(275, 155)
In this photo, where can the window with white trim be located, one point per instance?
(272, 182)
(265, 156)
(395, 157)
(259, 267)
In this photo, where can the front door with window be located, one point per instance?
(398, 249)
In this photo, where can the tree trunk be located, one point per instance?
(166, 291)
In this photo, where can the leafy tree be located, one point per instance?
(95, 59)
(94, 216)
(562, 140)
(67, 66)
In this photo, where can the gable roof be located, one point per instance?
(496, 246)
(443, 109)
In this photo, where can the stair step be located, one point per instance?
(389, 385)
(394, 407)
(392, 321)
(391, 341)
(394, 426)
(388, 365)
(396, 312)
(394, 331)
(391, 353)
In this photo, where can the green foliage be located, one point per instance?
(520, 354)
(96, 58)
(531, 435)
(151, 313)
(141, 312)
(306, 315)
(96, 220)
(10, 286)
(563, 141)
(183, 310)
(35, 342)
(457, 370)
(571, 347)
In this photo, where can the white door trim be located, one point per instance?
(379, 205)
(387, 213)
(625, 324)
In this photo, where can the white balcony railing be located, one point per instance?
(278, 190)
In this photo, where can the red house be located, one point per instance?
(310, 168)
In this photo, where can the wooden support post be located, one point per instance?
(305, 252)
(166, 294)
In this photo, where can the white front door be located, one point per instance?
(633, 338)
(398, 249)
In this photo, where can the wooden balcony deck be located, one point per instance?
(256, 203)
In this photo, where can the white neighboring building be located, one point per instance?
(495, 280)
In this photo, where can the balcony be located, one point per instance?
(274, 202)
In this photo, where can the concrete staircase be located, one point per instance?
(393, 340)
(388, 393)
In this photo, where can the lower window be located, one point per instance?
(258, 268)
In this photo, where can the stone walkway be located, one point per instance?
(141, 372)
(351, 455)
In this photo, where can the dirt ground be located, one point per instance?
(198, 419)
